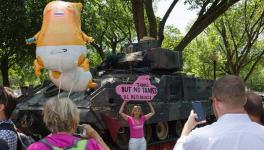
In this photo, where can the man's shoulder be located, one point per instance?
(255, 128)
(207, 129)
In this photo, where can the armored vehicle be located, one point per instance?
(99, 107)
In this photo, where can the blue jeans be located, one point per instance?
(137, 144)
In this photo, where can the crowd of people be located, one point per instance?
(239, 125)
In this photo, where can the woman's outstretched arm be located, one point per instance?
(152, 111)
(121, 111)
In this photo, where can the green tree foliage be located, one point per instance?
(256, 80)
(13, 27)
(172, 37)
(199, 55)
(109, 23)
(209, 11)
(235, 36)
(240, 29)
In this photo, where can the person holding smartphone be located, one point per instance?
(136, 125)
(61, 117)
(233, 129)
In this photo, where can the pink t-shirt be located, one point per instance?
(136, 127)
(63, 140)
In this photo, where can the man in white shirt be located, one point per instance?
(233, 129)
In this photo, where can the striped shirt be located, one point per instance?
(9, 136)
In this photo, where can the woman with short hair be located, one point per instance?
(61, 117)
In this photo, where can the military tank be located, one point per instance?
(99, 107)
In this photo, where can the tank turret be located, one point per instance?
(147, 56)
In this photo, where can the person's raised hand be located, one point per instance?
(191, 123)
(89, 130)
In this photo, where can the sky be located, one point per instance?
(180, 15)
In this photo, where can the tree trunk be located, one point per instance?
(151, 19)
(114, 45)
(138, 15)
(4, 70)
(99, 50)
(163, 22)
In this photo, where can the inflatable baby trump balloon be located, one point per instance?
(78, 80)
(61, 42)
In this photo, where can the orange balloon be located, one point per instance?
(61, 25)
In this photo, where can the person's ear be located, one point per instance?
(2, 107)
(216, 103)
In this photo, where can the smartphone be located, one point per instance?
(198, 109)
(81, 131)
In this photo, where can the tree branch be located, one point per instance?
(151, 18)
(253, 66)
(200, 24)
(163, 22)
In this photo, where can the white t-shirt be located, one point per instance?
(230, 132)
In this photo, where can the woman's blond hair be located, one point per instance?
(136, 107)
(61, 115)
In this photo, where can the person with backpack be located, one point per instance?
(61, 117)
(7, 106)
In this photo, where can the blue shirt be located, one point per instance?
(230, 132)
(9, 136)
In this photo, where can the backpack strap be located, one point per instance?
(45, 142)
(7, 126)
(78, 144)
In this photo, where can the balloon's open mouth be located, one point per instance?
(59, 13)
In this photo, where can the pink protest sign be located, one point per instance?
(140, 90)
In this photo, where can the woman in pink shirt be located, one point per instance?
(61, 117)
(136, 125)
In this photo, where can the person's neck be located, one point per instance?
(232, 111)
(62, 132)
(3, 117)
(137, 117)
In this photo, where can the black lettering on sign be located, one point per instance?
(125, 89)
(125, 96)
(136, 89)
(149, 90)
